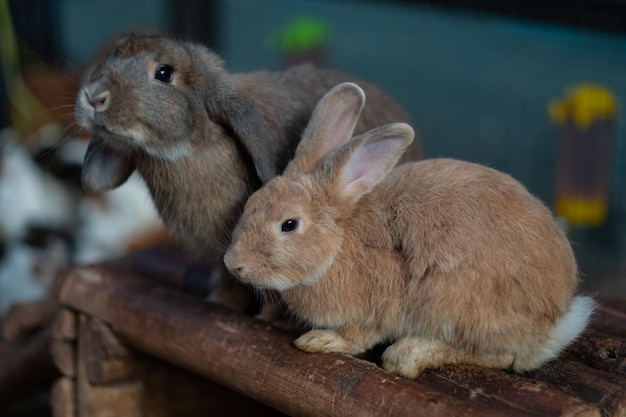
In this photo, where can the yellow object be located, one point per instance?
(588, 212)
(583, 104)
(24, 105)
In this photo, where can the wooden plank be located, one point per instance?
(64, 330)
(600, 351)
(249, 356)
(102, 400)
(109, 361)
(63, 398)
(64, 356)
(605, 390)
(26, 365)
(64, 325)
(23, 318)
(610, 318)
(504, 389)
(171, 265)
(171, 391)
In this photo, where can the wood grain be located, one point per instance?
(249, 356)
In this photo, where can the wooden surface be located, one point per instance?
(110, 379)
(145, 305)
(25, 365)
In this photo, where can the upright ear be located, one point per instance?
(104, 168)
(331, 125)
(363, 162)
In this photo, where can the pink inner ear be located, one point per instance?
(340, 134)
(360, 163)
(369, 164)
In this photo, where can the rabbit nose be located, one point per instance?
(237, 269)
(100, 102)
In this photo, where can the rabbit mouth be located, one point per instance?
(276, 282)
(122, 142)
(133, 139)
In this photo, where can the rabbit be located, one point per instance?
(451, 262)
(202, 138)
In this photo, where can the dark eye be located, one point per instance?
(289, 225)
(164, 73)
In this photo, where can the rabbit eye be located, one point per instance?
(289, 225)
(164, 73)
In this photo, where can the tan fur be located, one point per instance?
(454, 262)
(207, 139)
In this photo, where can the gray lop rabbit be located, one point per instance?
(451, 262)
(202, 139)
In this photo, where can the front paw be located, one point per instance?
(325, 341)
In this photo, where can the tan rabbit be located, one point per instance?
(203, 139)
(450, 261)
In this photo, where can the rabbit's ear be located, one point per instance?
(365, 160)
(239, 113)
(233, 107)
(104, 168)
(331, 125)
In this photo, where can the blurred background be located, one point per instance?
(535, 89)
(532, 88)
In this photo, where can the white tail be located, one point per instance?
(565, 331)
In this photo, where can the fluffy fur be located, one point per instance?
(452, 262)
(203, 139)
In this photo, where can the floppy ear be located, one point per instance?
(331, 125)
(104, 168)
(246, 121)
(236, 110)
(231, 106)
(363, 162)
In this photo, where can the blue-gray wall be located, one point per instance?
(477, 86)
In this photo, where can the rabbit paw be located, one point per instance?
(325, 341)
(405, 358)
(411, 356)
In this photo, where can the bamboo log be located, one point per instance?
(248, 356)
(63, 398)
